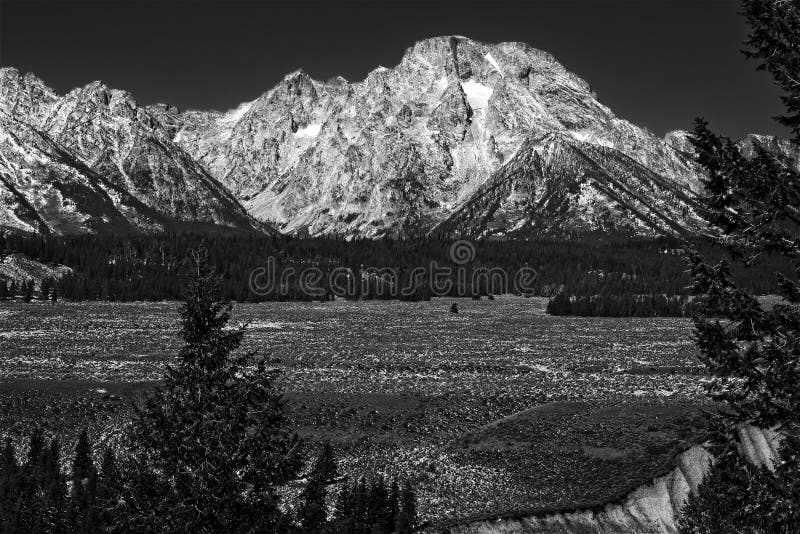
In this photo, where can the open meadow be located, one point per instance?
(498, 408)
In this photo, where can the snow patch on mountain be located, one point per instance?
(490, 58)
(310, 131)
(478, 95)
(591, 137)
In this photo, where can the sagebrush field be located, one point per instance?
(498, 408)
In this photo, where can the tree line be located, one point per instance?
(625, 305)
(601, 294)
(149, 267)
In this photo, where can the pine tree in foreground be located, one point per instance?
(313, 514)
(214, 438)
(406, 521)
(753, 353)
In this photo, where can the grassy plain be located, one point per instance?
(497, 408)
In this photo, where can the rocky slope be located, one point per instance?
(557, 185)
(650, 509)
(415, 148)
(93, 161)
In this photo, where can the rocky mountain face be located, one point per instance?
(459, 138)
(556, 185)
(95, 161)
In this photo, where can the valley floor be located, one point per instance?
(497, 408)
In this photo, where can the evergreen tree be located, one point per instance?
(378, 517)
(313, 512)
(393, 506)
(722, 499)
(344, 506)
(753, 353)
(108, 469)
(108, 488)
(83, 515)
(313, 515)
(82, 464)
(216, 432)
(406, 521)
(325, 467)
(35, 446)
(737, 497)
(754, 202)
(8, 457)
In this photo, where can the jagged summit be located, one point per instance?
(438, 46)
(400, 151)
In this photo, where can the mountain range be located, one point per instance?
(460, 138)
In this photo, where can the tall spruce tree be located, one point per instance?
(754, 204)
(82, 463)
(753, 353)
(406, 520)
(83, 513)
(215, 433)
(313, 514)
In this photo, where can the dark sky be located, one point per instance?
(657, 63)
